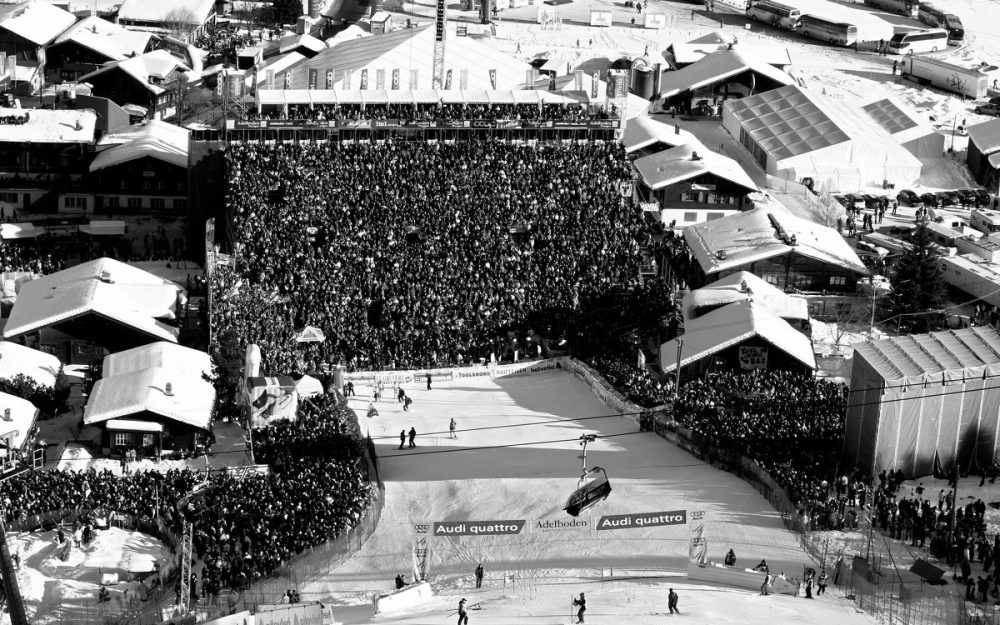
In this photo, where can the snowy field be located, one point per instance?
(517, 457)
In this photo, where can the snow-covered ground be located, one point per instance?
(517, 457)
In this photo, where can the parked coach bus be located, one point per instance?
(936, 18)
(906, 8)
(780, 15)
(918, 42)
(825, 30)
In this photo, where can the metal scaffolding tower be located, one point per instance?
(440, 27)
(187, 539)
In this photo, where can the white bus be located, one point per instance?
(906, 8)
(918, 42)
(824, 30)
(936, 18)
(780, 15)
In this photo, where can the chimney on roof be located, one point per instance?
(78, 126)
(695, 157)
(743, 287)
(792, 240)
(721, 254)
(677, 129)
(6, 414)
(106, 276)
(169, 390)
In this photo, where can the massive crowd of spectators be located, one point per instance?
(451, 112)
(245, 526)
(416, 254)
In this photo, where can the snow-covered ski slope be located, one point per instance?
(517, 458)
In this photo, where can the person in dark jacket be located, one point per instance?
(731, 558)
(479, 575)
(402, 439)
(582, 603)
(413, 437)
(672, 600)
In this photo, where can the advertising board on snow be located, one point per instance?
(527, 368)
(562, 524)
(641, 520)
(297, 614)
(478, 528)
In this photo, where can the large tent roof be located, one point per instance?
(936, 356)
(156, 139)
(130, 296)
(413, 49)
(644, 131)
(731, 325)
(678, 164)
(750, 236)
(986, 136)
(715, 67)
(730, 289)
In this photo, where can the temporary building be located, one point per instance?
(794, 134)
(155, 139)
(644, 135)
(906, 128)
(925, 399)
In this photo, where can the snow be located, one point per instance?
(56, 591)
(517, 457)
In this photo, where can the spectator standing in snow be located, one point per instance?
(672, 602)
(479, 569)
(413, 437)
(582, 603)
(451, 434)
(402, 438)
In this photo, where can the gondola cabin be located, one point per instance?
(589, 493)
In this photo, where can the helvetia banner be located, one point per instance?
(478, 528)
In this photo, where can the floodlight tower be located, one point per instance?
(440, 28)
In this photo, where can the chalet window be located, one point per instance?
(690, 217)
(180, 205)
(123, 184)
(9, 197)
(689, 196)
(838, 280)
(160, 185)
(122, 439)
(135, 202)
(113, 202)
(771, 278)
(147, 440)
(712, 216)
(157, 203)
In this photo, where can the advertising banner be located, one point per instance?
(493, 78)
(329, 79)
(699, 546)
(395, 79)
(527, 368)
(447, 80)
(655, 21)
(240, 618)
(641, 520)
(594, 80)
(562, 524)
(752, 357)
(364, 79)
(380, 79)
(413, 79)
(288, 79)
(600, 18)
(478, 528)
(298, 614)
(313, 78)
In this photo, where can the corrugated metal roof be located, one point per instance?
(929, 356)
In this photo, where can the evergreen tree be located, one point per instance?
(917, 282)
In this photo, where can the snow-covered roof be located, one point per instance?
(162, 354)
(131, 296)
(107, 39)
(715, 67)
(22, 418)
(730, 289)
(133, 425)
(287, 44)
(17, 359)
(731, 325)
(696, 49)
(24, 230)
(157, 139)
(36, 20)
(190, 402)
(413, 49)
(986, 136)
(736, 240)
(145, 69)
(927, 357)
(678, 164)
(643, 131)
(193, 11)
(278, 64)
(48, 126)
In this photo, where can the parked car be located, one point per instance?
(930, 200)
(967, 196)
(880, 284)
(988, 109)
(908, 198)
(983, 198)
(852, 200)
(949, 198)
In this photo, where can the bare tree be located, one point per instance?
(181, 23)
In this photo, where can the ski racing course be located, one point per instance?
(495, 494)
